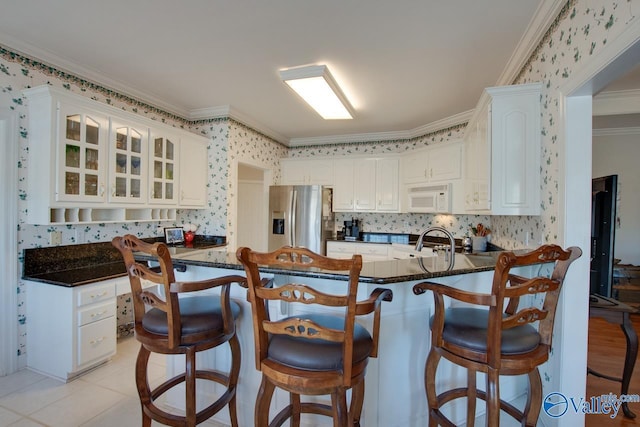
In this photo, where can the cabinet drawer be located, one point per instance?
(376, 249)
(96, 294)
(96, 340)
(97, 312)
(341, 248)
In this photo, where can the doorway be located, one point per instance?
(603, 233)
(252, 208)
(569, 359)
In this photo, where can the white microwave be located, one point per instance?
(429, 198)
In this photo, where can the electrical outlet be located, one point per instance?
(55, 238)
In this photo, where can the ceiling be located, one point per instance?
(405, 65)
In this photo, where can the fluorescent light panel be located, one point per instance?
(317, 87)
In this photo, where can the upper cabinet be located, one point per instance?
(366, 185)
(438, 163)
(502, 152)
(128, 151)
(193, 173)
(164, 166)
(307, 172)
(90, 162)
(82, 151)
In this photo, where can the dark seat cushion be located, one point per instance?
(316, 354)
(467, 327)
(198, 314)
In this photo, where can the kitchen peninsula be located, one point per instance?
(394, 379)
(394, 383)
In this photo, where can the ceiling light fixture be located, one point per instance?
(317, 87)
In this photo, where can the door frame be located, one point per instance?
(9, 242)
(568, 364)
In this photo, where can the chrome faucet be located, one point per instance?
(452, 243)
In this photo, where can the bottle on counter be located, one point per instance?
(467, 245)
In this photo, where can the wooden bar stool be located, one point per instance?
(177, 324)
(499, 340)
(311, 354)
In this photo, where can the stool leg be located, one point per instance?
(263, 401)
(493, 397)
(430, 384)
(357, 400)
(190, 387)
(534, 399)
(294, 399)
(233, 378)
(471, 397)
(142, 384)
(339, 403)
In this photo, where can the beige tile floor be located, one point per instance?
(104, 397)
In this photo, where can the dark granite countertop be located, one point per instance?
(376, 272)
(76, 265)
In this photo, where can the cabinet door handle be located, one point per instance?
(102, 313)
(113, 190)
(101, 189)
(97, 340)
(103, 294)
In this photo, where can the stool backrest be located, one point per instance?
(260, 294)
(167, 299)
(508, 288)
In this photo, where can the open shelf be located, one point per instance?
(107, 215)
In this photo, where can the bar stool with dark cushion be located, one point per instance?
(321, 352)
(171, 322)
(499, 339)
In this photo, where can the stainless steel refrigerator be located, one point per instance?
(300, 215)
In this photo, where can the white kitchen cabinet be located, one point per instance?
(128, 168)
(163, 168)
(70, 329)
(366, 185)
(307, 171)
(94, 163)
(438, 163)
(343, 175)
(502, 152)
(369, 251)
(193, 173)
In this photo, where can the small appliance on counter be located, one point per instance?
(351, 229)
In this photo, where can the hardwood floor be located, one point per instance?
(607, 347)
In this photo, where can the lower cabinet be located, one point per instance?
(70, 329)
(369, 251)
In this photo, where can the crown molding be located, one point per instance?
(616, 131)
(545, 15)
(438, 125)
(62, 64)
(617, 102)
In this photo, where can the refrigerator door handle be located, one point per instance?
(292, 222)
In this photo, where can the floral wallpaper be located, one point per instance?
(581, 30)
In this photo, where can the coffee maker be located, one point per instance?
(351, 230)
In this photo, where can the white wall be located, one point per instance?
(617, 153)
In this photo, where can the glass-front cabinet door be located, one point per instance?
(128, 168)
(163, 171)
(82, 160)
